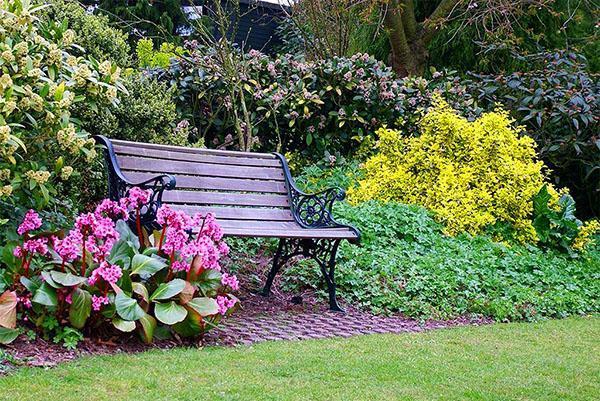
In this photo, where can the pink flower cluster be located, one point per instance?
(136, 198)
(225, 303)
(98, 301)
(110, 273)
(31, 247)
(182, 241)
(31, 222)
(231, 281)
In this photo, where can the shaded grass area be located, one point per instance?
(551, 360)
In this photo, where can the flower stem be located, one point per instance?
(138, 223)
(162, 237)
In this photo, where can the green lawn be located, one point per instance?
(553, 360)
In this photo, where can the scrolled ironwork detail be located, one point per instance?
(119, 185)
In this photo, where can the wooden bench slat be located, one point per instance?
(197, 157)
(237, 213)
(200, 169)
(263, 224)
(224, 198)
(182, 149)
(216, 183)
(299, 233)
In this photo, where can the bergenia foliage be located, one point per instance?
(101, 272)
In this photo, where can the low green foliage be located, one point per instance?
(405, 264)
(554, 360)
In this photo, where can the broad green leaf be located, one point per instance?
(8, 309)
(125, 326)
(204, 306)
(141, 290)
(45, 295)
(49, 280)
(31, 285)
(127, 307)
(169, 312)
(81, 308)
(148, 325)
(191, 326)
(67, 279)
(168, 290)
(7, 335)
(146, 266)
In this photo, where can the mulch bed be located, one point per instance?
(282, 316)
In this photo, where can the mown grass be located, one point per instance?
(551, 360)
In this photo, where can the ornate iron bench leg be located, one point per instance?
(326, 261)
(277, 263)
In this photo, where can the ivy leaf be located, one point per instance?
(170, 313)
(127, 307)
(168, 290)
(81, 308)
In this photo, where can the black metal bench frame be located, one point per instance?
(311, 211)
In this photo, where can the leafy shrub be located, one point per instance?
(102, 273)
(294, 105)
(41, 145)
(559, 104)
(471, 174)
(93, 33)
(145, 114)
(148, 57)
(406, 264)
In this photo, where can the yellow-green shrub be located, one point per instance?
(471, 174)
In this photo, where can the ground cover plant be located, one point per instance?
(101, 273)
(406, 264)
(553, 360)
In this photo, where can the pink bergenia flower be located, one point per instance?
(31, 222)
(225, 304)
(97, 302)
(68, 247)
(39, 246)
(112, 210)
(26, 302)
(109, 273)
(180, 266)
(136, 197)
(18, 252)
(223, 248)
(99, 233)
(231, 281)
(69, 298)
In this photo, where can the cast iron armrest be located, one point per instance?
(118, 184)
(314, 210)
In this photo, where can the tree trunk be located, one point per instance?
(409, 54)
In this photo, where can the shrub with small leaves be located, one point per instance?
(41, 79)
(473, 175)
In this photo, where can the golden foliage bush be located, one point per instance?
(471, 174)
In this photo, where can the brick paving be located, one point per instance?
(273, 319)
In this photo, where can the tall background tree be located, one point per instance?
(417, 30)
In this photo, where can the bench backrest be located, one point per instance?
(241, 189)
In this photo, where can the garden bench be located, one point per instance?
(251, 195)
